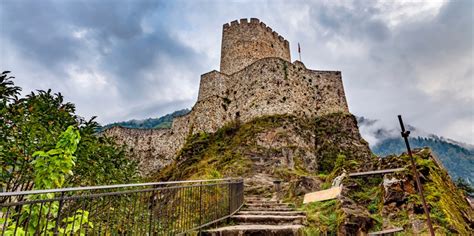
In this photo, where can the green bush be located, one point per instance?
(35, 122)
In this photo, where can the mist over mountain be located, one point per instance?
(457, 157)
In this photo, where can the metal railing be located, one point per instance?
(162, 208)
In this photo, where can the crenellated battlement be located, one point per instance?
(255, 22)
(244, 42)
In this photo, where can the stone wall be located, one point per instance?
(269, 86)
(151, 148)
(245, 42)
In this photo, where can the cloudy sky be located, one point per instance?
(124, 59)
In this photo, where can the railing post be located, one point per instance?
(152, 206)
(58, 219)
(241, 194)
(212, 206)
(200, 206)
(230, 197)
(277, 188)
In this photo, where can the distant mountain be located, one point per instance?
(458, 161)
(457, 157)
(150, 123)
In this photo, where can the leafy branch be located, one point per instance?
(50, 170)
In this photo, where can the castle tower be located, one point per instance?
(246, 42)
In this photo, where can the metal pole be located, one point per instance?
(58, 219)
(405, 135)
(200, 207)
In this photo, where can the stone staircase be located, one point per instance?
(262, 217)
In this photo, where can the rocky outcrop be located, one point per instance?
(356, 219)
(393, 201)
(266, 149)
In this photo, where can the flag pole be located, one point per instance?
(299, 50)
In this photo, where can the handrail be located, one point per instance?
(157, 208)
(59, 190)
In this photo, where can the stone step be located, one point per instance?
(268, 219)
(283, 213)
(255, 158)
(260, 230)
(255, 196)
(260, 201)
(246, 208)
(267, 204)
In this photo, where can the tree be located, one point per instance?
(35, 122)
(464, 186)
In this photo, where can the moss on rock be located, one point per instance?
(393, 200)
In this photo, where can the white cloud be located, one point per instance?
(140, 59)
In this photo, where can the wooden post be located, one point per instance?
(405, 135)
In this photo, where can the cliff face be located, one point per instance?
(271, 147)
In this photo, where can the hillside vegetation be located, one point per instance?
(458, 161)
(150, 123)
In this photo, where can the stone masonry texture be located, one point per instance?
(256, 79)
(245, 42)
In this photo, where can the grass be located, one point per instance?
(323, 217)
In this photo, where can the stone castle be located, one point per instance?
(256, 78)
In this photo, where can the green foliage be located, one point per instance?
(448, 208)
(337, 145)
(150, 123)
(226, 151)
(8, 91)
(464, 186)
(323, 217)
(164, 125)
(100, 161)
(326, 185)
(35, 122)
(207, 155)
(51, 167)
(50, 170)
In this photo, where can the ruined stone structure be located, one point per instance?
(256, 79)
